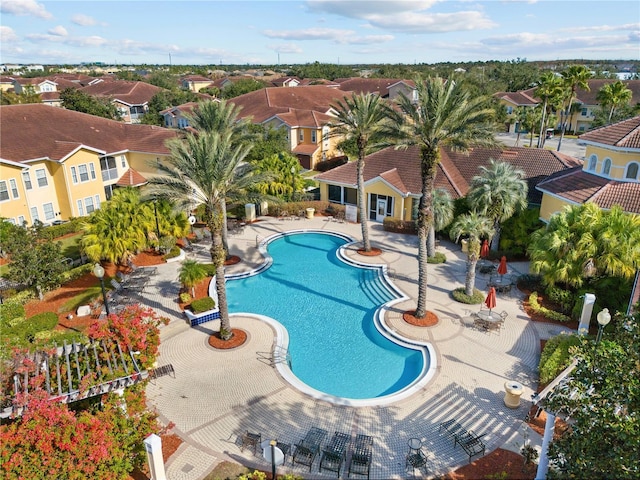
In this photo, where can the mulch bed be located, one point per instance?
(374, 252)
(237, 339)
(496, 462)
(429, 320)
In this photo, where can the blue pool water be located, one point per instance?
(327, 308)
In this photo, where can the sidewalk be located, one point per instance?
(218, 395)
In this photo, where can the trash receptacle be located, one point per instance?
(513, 391)
(250, 212)
(310, 212)
(465, 245)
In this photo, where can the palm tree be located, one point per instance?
(498, 192)
(614, 95)
(442, 216)
(222, 117)
(191, 273)
(363, 119)
(206, 169)
(550, 91)
(574, 77)
(475, 227)
(443, 114)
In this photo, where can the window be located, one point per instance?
(108, 191)
(335, 194)
(122, 161)
(584, 112)
(313, 136)
(14, 187)
(96, 199)
(4, 193)
(34, 214)
(593, 160)
(21, 220)
(10, 220)
(88, 203)
(80, 209)
(301, 135)
(41, 176)
(47, 208)
(27, 180)
(84, 174)
(108, 168)
(74, 175)
(606, 166)
(93, 171)
(509, 110)
(632, 171)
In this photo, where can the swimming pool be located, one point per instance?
(328, 309)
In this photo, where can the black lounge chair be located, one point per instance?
(360, 463)
(306, 450)
(471, 444)
(334, 454)
(250, 440)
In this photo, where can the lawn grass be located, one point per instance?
(84, 298)
(71, 246)
(4, 269)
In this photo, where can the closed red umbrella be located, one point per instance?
(502, 268)
(484, 250)
(490, 301)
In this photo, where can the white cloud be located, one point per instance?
(604, 28)
(7, 34)
(83, 20)
(59, 31)
(342, 37)
(91, 41)
(363, 9)
(285, 48)
(24, 7)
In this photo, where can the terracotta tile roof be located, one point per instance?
(379, 86)
(266, 103)
(588, 97)
(131, 178)
(131, 93)
(318, 81)
(624, 134)
(304, 118)
(196, 78)
(577, 186)
(184, 108)
(305, 149)
(40, 131)
(455, 170)
(518, 98)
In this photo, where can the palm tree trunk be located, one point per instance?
(564, 123)
(428, 165)
(225, 232)
(218, 256)
(431, 242)
(495, 240)
(362, 203)
(470, 278)
(543, 126)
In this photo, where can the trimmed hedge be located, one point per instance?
(173, 253)
(439, 257)
(56, 231)
(399, 226)
(11, 313)
(331, 163)
(555, 356)
(550, 314)
(202, 305)
(76, 273)
(459, 296)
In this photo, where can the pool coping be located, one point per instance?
(281, 340)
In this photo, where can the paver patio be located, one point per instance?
(216, 395)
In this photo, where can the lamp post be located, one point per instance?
(603, 317)
(98, 271)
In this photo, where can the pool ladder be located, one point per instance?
(278, 355)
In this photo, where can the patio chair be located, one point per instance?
(307, 449)
(471, 444)
(360, 463)
(250, 440)
(416, 459)
(334, 454)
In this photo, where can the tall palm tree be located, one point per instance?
(206, 169)
(613, 96)
(475, 227)
(363, 119)
(549, 90)
(574, 77)
(442, 216)
(498, 192)
(222, 117)
(443, 114)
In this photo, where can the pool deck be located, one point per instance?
(218, 395)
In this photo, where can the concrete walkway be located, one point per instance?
(218, 395)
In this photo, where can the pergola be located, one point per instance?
(77, 371)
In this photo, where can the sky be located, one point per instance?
(286, 32)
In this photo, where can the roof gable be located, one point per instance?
(624, 134)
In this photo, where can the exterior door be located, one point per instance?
(381, 210)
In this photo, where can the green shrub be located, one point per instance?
(459, 296)
(185, 297)
(439, 257)
(564, 298)
(173, 253)
(550, 314)
(202, 305)
(555, 356)
(56, 231)
(516, 231)
(21, 297)
(10, 311)
(210, 268)
(42, 322)
(75, 273)
(399, 226)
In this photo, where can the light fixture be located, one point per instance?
(98, 271)
(603, 317)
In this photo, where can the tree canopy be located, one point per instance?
(74, 99)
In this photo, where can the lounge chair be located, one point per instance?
(334, 454)
(307, 449)
(360, 463)
(471, 444)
